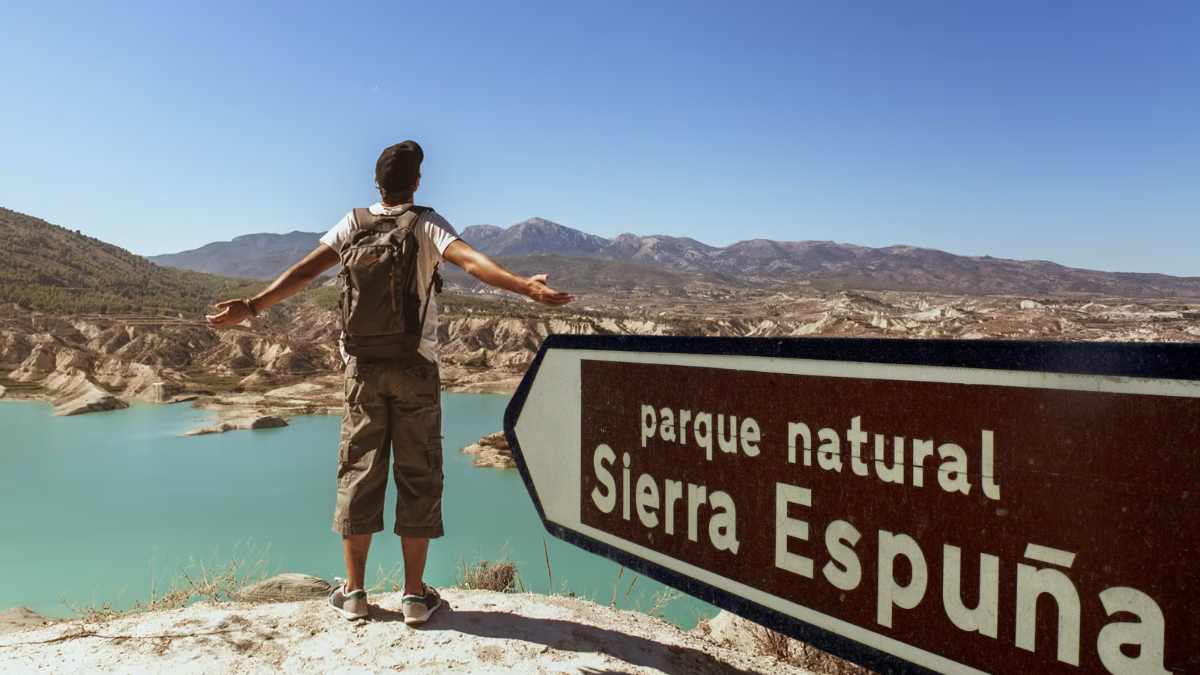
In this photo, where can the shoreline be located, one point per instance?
(286, 363)
(234, 409)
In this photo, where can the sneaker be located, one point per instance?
(352, 605)
(418, 608)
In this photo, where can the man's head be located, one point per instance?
(398, 171)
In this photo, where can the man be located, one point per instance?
(389, 343)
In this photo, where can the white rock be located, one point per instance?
(241, 423)
(492, 451)
(72, 393)
(287, 587)
(20, 618)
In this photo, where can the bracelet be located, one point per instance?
(250, 306)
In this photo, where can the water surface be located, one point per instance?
(95, 508)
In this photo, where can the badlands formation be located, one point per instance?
(287, 363)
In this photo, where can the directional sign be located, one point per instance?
(949, 506)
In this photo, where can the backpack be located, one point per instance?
(380, 307)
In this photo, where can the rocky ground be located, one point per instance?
(286, 363)
(478, 631)
(492, 451)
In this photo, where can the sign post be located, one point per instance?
(948, 506)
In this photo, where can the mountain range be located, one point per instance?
(763, 262)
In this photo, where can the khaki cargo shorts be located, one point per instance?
(391, 409)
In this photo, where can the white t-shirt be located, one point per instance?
(434, 234)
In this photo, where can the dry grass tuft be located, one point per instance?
(771, 643)
(489, 575)
(662, 599)
(194, 582)
(388, 580)
(774, 644)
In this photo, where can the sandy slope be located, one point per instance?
(479, 631)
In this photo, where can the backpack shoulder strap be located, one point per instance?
(365, 224)
(363, 218)
(407, 221)
(435, 279)
(412, 216)
(418, 212)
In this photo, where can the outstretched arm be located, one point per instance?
(489, 272)
(291, 282)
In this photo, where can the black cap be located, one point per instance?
(398, 167)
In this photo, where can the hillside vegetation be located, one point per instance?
(50, 268)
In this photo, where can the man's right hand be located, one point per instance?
(232, 313)
(539, 291)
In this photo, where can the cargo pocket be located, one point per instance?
(359, 431)
(350, 448)
(437, 478)
(346, 454)
(353, 382)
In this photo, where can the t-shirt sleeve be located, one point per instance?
(438, 232)
(339, 234)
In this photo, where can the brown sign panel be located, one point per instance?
(958, 519)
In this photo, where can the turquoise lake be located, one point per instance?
(94, 508)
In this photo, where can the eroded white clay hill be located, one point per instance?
(287, 363)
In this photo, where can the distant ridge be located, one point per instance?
(758, 261)
(253, 256)
(534, 236)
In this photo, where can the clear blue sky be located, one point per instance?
(1063, 131)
